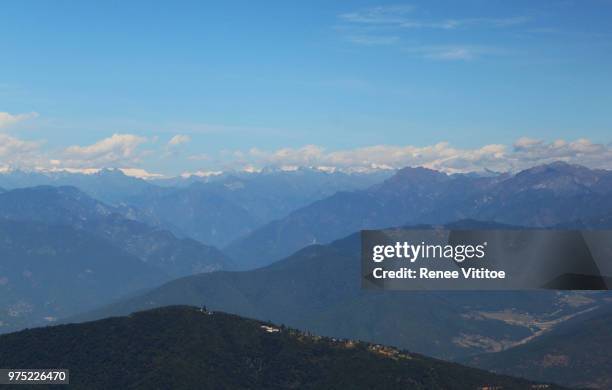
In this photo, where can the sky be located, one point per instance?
(178, 86)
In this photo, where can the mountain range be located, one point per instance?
(108, 185)
(63, 252)
(48, 272)
(68, 255)
(222, 209)
(542, 196)
(68, 206)
(212, 209)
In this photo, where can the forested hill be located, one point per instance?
(188, 348)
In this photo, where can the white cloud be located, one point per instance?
(402, 16)
(454, 52)
(115, 151)
(11, 146)
(15, 152)
(523, 154)
(201, 174)
(134, 172)
(451, 53)
(308, 155)
(199, 157)
(525, 143)
(118, 151)
(251, 169)
(140, 173)
(179, 139)
(7, 119)
(57, 168)
(373, 40)
(391, 14)
(123, 151)
(581, 151)
(451, 24)
(392, 25)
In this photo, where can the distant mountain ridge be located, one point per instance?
(542, 196)
(49, 272)
(214, 209)
(188, 347)
(68, 206)
(224, 208)
(108, 185)
(63, 252)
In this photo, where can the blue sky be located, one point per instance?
(232, 76)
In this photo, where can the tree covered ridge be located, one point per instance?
(184, 347)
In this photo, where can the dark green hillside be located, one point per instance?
(577, 354)
(189, 348)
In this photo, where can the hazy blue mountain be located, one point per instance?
(48, 272)
(221, 210)
(546, 195)
(198, 211)
(189, 348)
(575, 354)
(68, 206)
(542, 196)
(214, 210)
(601, 221)
(410, 193)
(318, 289)
(109, 185)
